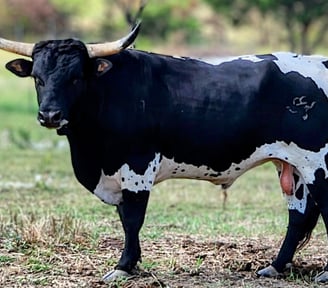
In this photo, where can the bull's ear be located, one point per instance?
(103, 66)
(20, 67)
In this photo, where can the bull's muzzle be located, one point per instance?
(52, 119)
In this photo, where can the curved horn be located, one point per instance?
(21, 48)
(110, 48)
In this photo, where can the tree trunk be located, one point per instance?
(305, 47)
(320, 35)
(290, 29)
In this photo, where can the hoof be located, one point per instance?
(116, 274)
(321, 277)
(269, 271)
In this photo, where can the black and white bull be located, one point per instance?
(134, 119)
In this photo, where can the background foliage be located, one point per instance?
(210, 26)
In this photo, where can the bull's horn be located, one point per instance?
(110, 48)
(24, 49)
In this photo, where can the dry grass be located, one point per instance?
(173, 261)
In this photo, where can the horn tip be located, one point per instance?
(132, 36)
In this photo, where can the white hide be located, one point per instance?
(308, 66)
(307, 162)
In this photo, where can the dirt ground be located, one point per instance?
(174, 261)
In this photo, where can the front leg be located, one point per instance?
(132, 212)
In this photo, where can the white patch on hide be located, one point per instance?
(217, 60)
(305, 161)
(252, 58)
(292, 201)
(220, 60)
(301, 102)
(109, 188)
(136, 183)
(62, 123)
(170, 169)
(308, 66)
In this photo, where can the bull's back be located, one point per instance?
(222, 114)
(213, 114)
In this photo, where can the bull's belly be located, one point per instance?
(161, 168)
(110, 187)
(170, 169)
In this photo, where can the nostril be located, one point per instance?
(41, 116)
(55, 116)
(51, 118)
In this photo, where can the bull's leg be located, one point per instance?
(300, 226)
(132, 214)
(319, 192)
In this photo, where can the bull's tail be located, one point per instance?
(301, 244)
(312, 213)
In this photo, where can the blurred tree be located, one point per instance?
(234, 10)
(5, 19)
(50, 18)
(305, 21)
(39, 16)
(82, 18)
(161, 19)
(131, 16)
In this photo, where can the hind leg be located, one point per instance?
(299, 229)
(303, 216)
(319, 192)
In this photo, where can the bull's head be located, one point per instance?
(60, 69)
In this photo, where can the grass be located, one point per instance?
(53, 233)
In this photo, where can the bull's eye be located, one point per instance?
(38, 81)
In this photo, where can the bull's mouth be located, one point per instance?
(61, 128)
(54, 125)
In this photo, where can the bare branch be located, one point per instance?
(128, 11)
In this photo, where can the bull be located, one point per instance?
(134, 119)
